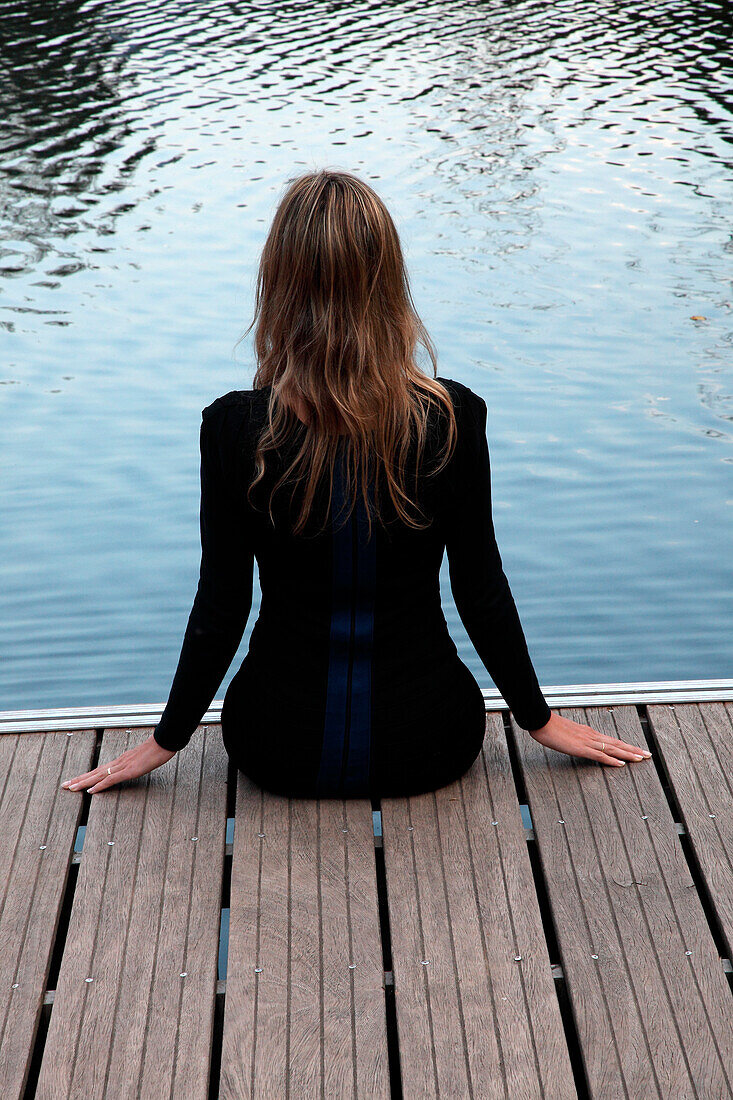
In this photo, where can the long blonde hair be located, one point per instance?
(336, 336)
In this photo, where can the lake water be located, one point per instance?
(560, 175)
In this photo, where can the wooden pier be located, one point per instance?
(545, 927)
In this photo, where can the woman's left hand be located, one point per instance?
(133, 763)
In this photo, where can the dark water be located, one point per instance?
(561, 177)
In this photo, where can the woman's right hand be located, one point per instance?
(572, 738)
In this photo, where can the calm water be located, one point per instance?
(560, 175)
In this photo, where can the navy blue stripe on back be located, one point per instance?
(356, 777)
(334, 733)
(344, 765)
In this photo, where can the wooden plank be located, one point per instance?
(144, 928)
(696, 752)
(304, 1061)
(238, 1045)
(255, 1040)
(649, 997)
(38, 826)
(477, 1010)
(353, 974)
(304, 1008)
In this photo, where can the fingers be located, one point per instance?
(99, 778)
(626, 754)
(604, 758)
(616, 747)
(617, 752)
(108, 781)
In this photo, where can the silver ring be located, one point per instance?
(109, 771)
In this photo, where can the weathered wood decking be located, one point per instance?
(545, 927)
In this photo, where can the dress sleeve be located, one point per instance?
(223, 599)
(480, 587)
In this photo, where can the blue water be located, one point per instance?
(560, 175)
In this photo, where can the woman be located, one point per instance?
(346, 471)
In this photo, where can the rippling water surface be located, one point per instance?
(560, 174)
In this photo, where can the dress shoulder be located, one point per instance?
(463, 396)
(234, 398)
(470, 408)
(235, 411)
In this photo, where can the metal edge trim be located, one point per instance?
(567, 695)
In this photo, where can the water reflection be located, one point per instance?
(484, 81)
(68, 140)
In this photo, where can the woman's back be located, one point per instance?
(352, 684)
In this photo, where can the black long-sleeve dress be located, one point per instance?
(352, 685)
